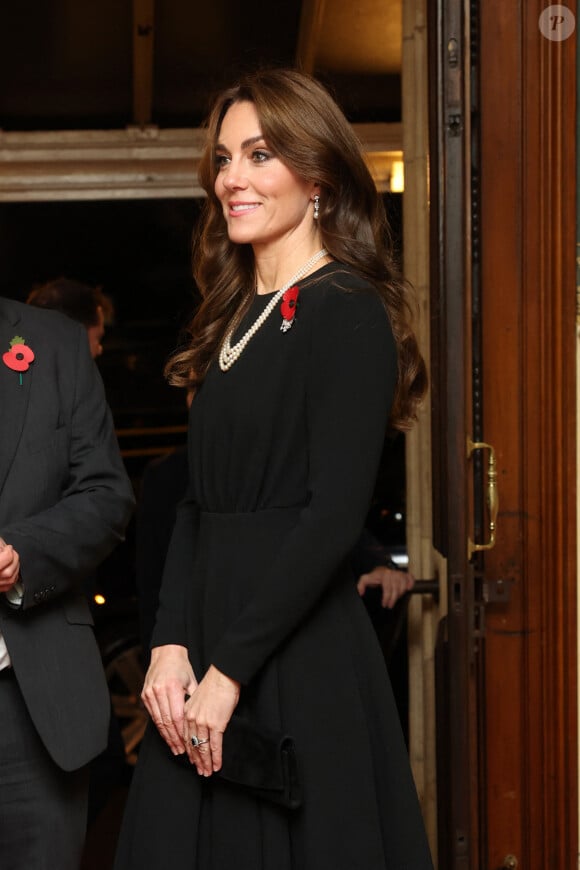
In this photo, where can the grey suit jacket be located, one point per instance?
(65, 500)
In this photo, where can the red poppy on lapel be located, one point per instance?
(288, 307)
(19, 357)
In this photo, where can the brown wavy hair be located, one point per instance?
(308, 132)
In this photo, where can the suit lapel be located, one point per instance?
(14, 396)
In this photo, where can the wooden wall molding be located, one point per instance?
(137, 162)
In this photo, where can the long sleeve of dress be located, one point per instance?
(163, 486)
(351, 379)
(171, 623)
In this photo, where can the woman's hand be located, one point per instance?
(169, 678)
(207, 714)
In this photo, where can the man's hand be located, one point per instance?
(9, 566)
(393, 583)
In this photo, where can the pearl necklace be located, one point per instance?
(228, 354)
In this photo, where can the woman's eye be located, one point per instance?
(260, 156)
(221, 160)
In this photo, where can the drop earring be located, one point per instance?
(316, 206)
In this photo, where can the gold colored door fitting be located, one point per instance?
(492, 496)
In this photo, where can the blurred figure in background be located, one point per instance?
(88, 305)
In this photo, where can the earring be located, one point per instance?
(316, 206)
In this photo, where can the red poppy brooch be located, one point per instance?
(19, 357)
(288, 307)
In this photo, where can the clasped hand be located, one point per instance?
(9, 566)
(205, 715)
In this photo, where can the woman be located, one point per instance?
(299, 355)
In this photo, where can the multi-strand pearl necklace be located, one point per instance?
(228, 354)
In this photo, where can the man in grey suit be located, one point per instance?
(65, 500)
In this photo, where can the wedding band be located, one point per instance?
(197, 742)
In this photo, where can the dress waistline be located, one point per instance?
(259, 517)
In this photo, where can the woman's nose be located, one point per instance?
(233, 178)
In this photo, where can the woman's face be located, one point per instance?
(264, 202)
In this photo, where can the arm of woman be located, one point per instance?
(170, 622)
(170, 676)
(352, 376)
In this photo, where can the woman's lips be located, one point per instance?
(241, 208)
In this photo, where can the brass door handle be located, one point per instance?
(492, 496)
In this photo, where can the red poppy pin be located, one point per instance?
(288, 307)
(19, 357)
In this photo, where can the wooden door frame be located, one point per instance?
(457, 651)
(505, 229)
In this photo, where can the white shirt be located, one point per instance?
(4, 657)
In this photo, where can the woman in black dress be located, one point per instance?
(301, 356)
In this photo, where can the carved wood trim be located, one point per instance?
(137, 163)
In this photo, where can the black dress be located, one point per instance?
(283, 450)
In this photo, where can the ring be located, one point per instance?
(197, 742)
